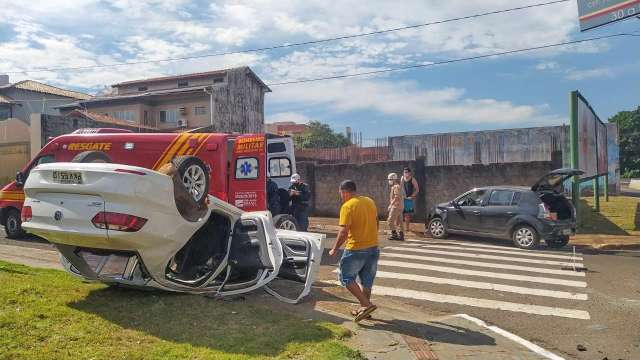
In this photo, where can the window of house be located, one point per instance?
(124, 115)
(218, 80)
(501, 198)
(279, 167)
(200, 110)
(169, 116)
(142, 88)
(5, 113)
(183, 83)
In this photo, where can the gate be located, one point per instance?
(13, 157)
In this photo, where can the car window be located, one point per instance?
(473, 198)
(516, 198)
(500, 198)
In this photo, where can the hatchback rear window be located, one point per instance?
(501, 198)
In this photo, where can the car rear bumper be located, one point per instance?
(556, 229)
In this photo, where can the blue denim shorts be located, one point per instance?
(359, 263)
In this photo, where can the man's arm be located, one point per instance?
(416, 188)
(340, 240)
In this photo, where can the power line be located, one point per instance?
(451, 60)
(282, 46)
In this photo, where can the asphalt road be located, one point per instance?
(535, 294)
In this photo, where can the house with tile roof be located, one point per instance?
(21, 99)
(229, 100)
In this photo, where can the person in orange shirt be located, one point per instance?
(359, 232)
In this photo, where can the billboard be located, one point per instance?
(594, 13)
(591, 140)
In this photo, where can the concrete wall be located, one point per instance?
(486, 147)
(437, 183)
(239, 103)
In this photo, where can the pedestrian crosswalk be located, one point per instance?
(484, 276)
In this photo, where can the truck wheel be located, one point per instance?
(285, 222)
(558, 242)
(437, 228)
(91, 157)
(525, 237)
(13, 225)
(194, 175)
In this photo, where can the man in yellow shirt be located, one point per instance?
(359, 230)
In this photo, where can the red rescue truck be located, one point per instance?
(237, 165)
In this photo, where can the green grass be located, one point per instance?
(48, 314)
(619, 216)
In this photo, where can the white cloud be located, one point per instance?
(547, 65)
(288, 116)
(407, 100)
(584, 74)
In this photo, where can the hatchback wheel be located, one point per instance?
(525, 237)
(437, 229)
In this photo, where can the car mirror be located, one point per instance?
(455, 204)
(20, 178)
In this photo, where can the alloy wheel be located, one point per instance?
(287, 225)
(436, 228)
(525, 237)
(194, 180)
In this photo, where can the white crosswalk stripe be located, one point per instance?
(465, 243)
(483, 256)
(510, 252)
(465, 274)
(484, 264)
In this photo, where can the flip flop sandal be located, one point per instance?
(363, 313)
(354, 313)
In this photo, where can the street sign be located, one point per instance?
(594, 13)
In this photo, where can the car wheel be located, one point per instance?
(285, 222)
(91, 157)
(437, 228)
(525, 237)
(13, 225)
(558, 242)
(194, 175)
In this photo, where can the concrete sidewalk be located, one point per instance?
(397, 331)
(593, 242)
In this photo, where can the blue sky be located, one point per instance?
(521, 90)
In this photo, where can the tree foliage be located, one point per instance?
(320, 136)
(629, 130)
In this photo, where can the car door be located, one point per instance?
(254, 249)
(302, 254)
(499, 209)
(465, 212)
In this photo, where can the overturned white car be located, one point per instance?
(133, 226)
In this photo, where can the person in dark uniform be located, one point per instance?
(300, 196)
(273, 198)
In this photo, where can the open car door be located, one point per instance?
(302, 253)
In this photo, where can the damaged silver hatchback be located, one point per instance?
(137, 227)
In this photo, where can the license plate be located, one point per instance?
(567, 232)
(67, 177)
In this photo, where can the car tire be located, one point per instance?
(558, 242)
(13, 225)
(194, 175)
(91, 157)
(285, 222)
(525, 237)
(437, 229)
